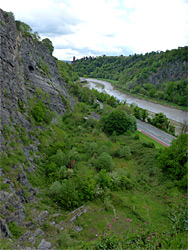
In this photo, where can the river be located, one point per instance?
(175, 115)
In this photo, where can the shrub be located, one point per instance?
(136, 137)
(65, 194)
(64, 240)
(148, 144)
(103, 179)
(15, 229)
(44, 67)
(86, 188)
(125, 153)
(104, 161)
(60, 158)
(126, 182)
(91, 122)
(38, 111)
(104, 148)
(48, 44)
(91, 148)
(21, 105)
(41, 114)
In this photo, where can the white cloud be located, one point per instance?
(158, 24)
(108, 27)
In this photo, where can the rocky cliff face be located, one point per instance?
(25, 66)
(22, 71)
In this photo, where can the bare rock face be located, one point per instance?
(4, 229)
(25, 66)
(44, 245)
(22, 63)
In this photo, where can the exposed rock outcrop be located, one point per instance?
(21, 73)
(25, 66)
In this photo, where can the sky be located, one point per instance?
(105, 27)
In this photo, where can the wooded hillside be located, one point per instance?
(160, 75)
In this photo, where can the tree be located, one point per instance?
(112, 101)
(173, 160)
(11, 14)
(144, 114)
(137, 112)
(184, 126)
(48, 44)
(161, 121)
(119, 121)
(24, 28)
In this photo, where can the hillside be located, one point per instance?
(75, 175)
(159, 75)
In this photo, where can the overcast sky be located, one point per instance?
(111, 27)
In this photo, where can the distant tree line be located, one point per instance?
(160, 75)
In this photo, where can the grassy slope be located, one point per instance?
(145, 138)
(143, 202)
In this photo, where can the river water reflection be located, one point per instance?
(171, 113)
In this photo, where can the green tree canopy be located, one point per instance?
(119, 121)
(173, 160)
(24, 28)
(48, 44)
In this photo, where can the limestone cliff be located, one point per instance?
(21, 72)
(25, 68)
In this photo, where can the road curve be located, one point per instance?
(156, 134)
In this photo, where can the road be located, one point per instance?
(155, 133)
(171, 113)
(147, 129)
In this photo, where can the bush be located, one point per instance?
(91, 122)
(60, 158)
(44, 67)
(48, 44)
(41, 114)
(148, 144)
(125, 153)
(65, 194)
(136, 137)
(104, 161)
(64, 240)
(38, 111)
(15, 229)
(126, 182)
(103, 179)
(91, 148)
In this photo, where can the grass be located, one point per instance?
(137, 206)
(145, 138)
(134, 203)
(141, 201)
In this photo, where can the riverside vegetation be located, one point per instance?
(160, 76)
(126, 192)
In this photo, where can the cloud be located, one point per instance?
(48, 17)
(111, 27)
(158, 24)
